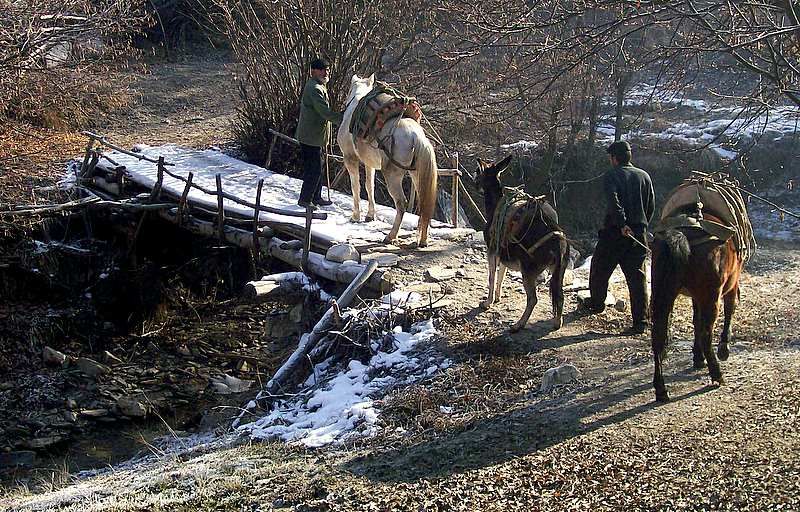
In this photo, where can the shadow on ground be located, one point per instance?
(517, 433)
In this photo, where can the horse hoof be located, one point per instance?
(662, 397)
(514, 328)
(355, 219)
(557, 323)
(699, 364)
(719, 381)
(369, 218)
(388, 240)
(723, 353)
(422, 244)
(485, 304)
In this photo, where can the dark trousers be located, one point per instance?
(615, 249)
(311, 158)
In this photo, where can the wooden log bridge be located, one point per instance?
(226, 199)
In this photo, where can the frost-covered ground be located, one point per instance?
(769, 223)
(722, 127)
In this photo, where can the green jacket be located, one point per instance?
(315, 112)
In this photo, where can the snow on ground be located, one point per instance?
(241, 180)
(301, 279)
(338, 404)
(521, 146)
(722, 128)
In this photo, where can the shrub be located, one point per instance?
(51, 51)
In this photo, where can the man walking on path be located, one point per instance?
(623, 238)
(312, 132)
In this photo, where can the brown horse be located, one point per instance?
(686, 262)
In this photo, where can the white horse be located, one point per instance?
(410, 151)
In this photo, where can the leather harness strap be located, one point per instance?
(389, 150)
(542, 241)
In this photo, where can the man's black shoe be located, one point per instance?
(305, 204)
(587, 307)
(322, 202)
(636, 329)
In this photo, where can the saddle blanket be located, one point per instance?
(380, 105)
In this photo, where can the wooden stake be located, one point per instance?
(327, 164)
(471, 201)
(220, 211)
(269, 153)
(307, 240)
(256, 247)
(339, 175)
(156, 193)
(454, 199)
(89, 171)
(86, 156)
(119, 173)
(182, 206)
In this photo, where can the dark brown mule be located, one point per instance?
(536, 245)
(686, 262)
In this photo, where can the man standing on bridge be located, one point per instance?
(312, 132)
(630, 203)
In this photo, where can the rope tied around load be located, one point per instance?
(514, 217)
(719, 195)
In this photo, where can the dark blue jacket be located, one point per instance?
(630, 197)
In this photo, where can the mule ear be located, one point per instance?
(502, 164)
(371, 80)
(355, 79)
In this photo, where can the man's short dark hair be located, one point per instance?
(320, 64)
(620, 150)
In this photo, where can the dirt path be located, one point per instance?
(189, 102)
(481, 436)
(600, 443)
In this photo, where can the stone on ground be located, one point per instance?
(569, 277)
(384, 259)
(131, 407)
(53, 357)
(438, 274)
(340, 253)
(563, 374)
(91, 367)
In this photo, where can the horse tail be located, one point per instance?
(671, 251)
(427, 186)
(678, 249)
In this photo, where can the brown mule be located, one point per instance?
(523, 236)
